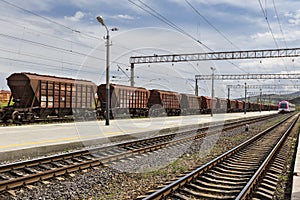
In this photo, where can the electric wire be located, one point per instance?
(269, 26)
(171, 24)
(49, 46)
(50, 20)
(56, 48)
(209, 23)
(279, 23)
(39, 64)
(36, 32)
(45, 58)
(166, 21)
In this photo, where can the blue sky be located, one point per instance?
(36, 36)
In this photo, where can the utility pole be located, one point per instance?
(245, 107)
(101, 21)
(212, 90)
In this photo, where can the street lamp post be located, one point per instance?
(212, 90)
(101, 21)
(260, 94)
(245, 104)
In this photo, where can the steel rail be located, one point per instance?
(94, 161)
(250, 186)
(163, 192)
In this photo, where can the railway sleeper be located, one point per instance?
(4, 177)
(271, 176)
(230, 175)
(207, 195)
(275, 170)
(279, 165)
(263, 194)
(269, 186)
(247, 162)
(78, 160)
(45, 167)
(17, 173)
(69, 162)
(241, 166)
(224, 182)
(270, 179)
(237, 168)
(178, 195)
(212, 190)
(205, 184)
(224, 177)
(57, 164)
(30, 170)
(231, 171)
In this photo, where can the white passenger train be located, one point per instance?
(285, 107)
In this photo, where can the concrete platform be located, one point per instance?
(296, 177)
(37, 140)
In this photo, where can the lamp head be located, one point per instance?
(100, 20)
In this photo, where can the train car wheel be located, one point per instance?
(16, 117)
(30, 117)
(157, 111)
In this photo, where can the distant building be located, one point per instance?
(4, 97)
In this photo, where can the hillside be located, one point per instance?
(275, 98)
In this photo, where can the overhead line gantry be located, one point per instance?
(243, 77)
(248, 76)
(275, 86)
(224, 55)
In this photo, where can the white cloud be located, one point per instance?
(125, 17)
(294, 17)
(77, 17)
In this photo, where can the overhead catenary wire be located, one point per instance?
(157, 15)
(55, 47)
(30, 55)
(279, 23)
(50, 20)
(49, 46)
(36, 31)
(56, 37)
(269, 26)
(53, 67)
(214, 27)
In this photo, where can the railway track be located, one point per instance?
(241, 173)
(27, 172)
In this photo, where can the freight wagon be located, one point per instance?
(162, 103)
(239, 106)
(190, 104)
(221, 106)
(206, 104)
(124, 101)
(41, 96)
(231, 105)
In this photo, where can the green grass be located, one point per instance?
(4, 104)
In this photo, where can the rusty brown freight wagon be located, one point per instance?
(42, 96)
(164, 102)
(231, 105)
(206, 104)
(221, 106)
(239, 106)
(190, 104)
(125, 101)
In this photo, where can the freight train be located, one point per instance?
(42, 97)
